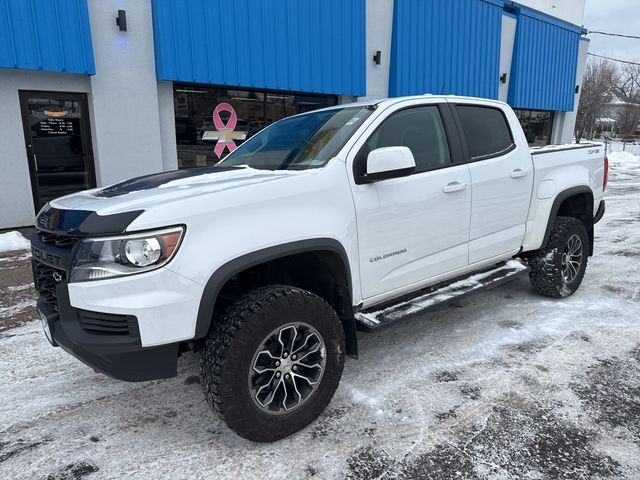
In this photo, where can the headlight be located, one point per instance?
(107, 257)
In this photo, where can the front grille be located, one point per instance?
(108, 323)
(46, 279)
(56, 240)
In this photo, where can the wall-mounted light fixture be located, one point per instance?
(377, 57)
(121, 20)
(577, 89)
(503, 78)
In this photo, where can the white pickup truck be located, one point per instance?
(351, 216)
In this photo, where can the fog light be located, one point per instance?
(143, 252)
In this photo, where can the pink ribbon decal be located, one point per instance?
(225, 133)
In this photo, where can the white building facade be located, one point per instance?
(88, 101)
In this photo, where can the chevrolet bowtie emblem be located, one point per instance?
(57, 277)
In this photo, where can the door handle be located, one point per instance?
(518, 172)
(35, 161)
(454, 187)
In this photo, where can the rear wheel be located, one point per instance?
(558, 268)
(273, 363)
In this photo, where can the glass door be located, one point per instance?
(57, 136)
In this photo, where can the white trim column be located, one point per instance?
(124, 92)
(507, 41)
(379, 28)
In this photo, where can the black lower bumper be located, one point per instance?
(118, 356)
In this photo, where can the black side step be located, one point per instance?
(380, 316)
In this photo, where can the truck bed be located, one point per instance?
(559, 168)
(589, 155)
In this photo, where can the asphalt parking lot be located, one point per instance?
(503, 384)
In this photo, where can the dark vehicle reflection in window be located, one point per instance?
(186, 131)
(537, 126)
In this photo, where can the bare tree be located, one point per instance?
(595, 93)
(626, 86)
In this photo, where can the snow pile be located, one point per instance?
(623, 161)
(620, 146)
(13, 241)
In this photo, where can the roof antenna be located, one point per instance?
(442, 91)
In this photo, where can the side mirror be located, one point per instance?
(389, 162)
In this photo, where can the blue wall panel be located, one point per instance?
(445, 46)
(52, 35)
(299, 45)
(543, 71)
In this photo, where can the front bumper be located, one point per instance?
(129, 328)
(118, 356)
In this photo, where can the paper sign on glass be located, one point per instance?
(225, 135)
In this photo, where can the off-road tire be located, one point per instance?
(232, 343)
(546, 263)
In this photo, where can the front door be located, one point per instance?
(412, 228)
(57, 136)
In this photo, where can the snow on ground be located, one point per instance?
(624, 162)
(17, 297)
(504, 384)
(13, 241)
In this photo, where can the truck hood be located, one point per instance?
(152, 190)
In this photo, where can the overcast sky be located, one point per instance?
(615, 16)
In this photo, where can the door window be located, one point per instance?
(486, 130)
(420, 129)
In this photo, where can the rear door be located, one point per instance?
(415, 227)
(501, 180)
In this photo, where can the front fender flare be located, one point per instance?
(239, 264)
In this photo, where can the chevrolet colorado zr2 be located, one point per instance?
(322, 225)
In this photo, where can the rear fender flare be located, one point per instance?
(555, 207)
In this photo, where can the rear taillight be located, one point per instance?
(606, 173)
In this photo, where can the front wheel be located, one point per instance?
(273, 363)
(558, 268)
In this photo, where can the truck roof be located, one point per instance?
(394, 100)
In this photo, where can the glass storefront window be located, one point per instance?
(537, 125)
(211, 122)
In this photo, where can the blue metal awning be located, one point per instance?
(444, 46)
(296, 45)
(545, 56)
(46, 35)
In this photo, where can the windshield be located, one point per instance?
(300, 142)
